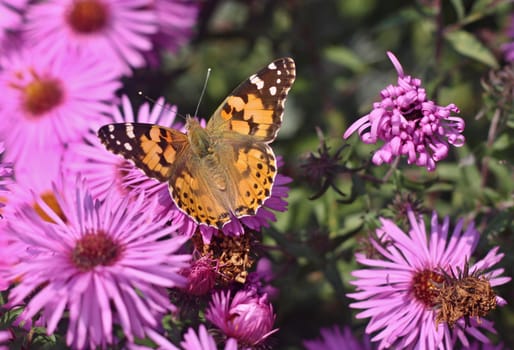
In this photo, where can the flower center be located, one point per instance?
(424, 286)
(88, 16)
(42, 95)
(50, 200)
(95, 248)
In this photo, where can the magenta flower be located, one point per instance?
(116, 31)
(204, 341)
(5, 337)
(398, 290)
(176, 20)
(335, 339)
(5, 174)
(247, 317)
(11, 15)
(45, 103)
(35, 178)
(201, 276)
(99, 264)
(409, 124)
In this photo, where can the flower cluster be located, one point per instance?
(409, 124)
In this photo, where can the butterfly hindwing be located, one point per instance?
(256, 106)
(152, 148)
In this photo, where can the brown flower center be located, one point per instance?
(50, 200)
(42, 95)
(232, 253)
(94, 249)
(424, 286)
(88, 16)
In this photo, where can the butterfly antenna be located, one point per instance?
(154, 101)
(203, 91)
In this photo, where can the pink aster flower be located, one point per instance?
(201, 276)
(50, 102)
(5, 337)
(11, 15)
(116, 31)
(98, 263)
(247, 317)
(409, 124)
(335, 339)
(5, 175)
(176, 19)
(398, 291)
(204, 341)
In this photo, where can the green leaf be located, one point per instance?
(459, 8)
(469, 46)
(345, 58)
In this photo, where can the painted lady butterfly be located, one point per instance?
(224, 170)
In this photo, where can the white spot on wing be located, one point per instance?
(272, 66)
(129, 130)
(111, 136)
(279, 81)
(111, 128)
(254, 79)
(118, 142)
(273, 90)
(127, 146)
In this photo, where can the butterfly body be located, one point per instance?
(225, 170)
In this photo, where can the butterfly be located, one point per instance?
(225, 170)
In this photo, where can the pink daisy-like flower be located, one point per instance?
(5, 337)
(117, 31)
(5, 175)
(103, 263)
(176, 19)
(204, 341)
(247, 317)
(39, 177)
(50, 102)
(409, 124)
(201, 276)
(335, 339)
(398, 290)
(11, 15)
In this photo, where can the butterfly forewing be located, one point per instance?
(152, 148)
(256, 106)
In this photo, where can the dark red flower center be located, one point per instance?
(88, 16)
(424, 286)
(50, 200)
(42, 95)
(94, 249)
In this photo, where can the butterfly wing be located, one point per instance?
(154, 149)
(256, 106)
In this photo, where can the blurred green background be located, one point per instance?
(340, 51)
